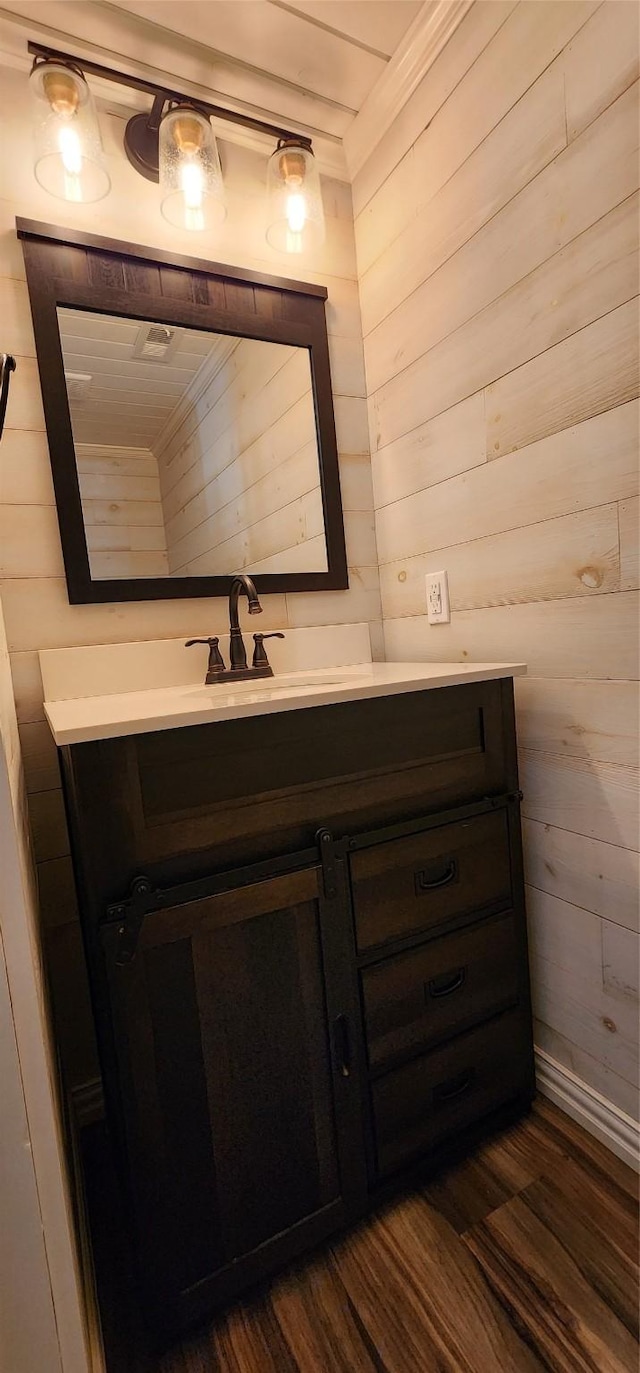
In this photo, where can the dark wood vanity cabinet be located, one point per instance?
(236, 1139)
(306, 943)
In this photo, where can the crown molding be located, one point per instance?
(424, 40)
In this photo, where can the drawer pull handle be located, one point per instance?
(448, 983)
(447, 1091)
(342, 1045)
(424, 883)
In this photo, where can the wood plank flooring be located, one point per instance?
(519, 1259)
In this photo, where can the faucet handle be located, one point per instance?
(259, 654)
(216, 665)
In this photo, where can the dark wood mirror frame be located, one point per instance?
(68, 268)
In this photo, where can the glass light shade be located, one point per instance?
(295, 217)
(190, 173)
(69, 157)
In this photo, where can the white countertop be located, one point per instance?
(77, 720)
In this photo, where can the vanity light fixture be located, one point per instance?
(177, 147)
(172, 144)
(295, 213)
(69, 158)
(190, 171)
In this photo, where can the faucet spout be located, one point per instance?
(240, 584)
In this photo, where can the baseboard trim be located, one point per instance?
(598, 1116)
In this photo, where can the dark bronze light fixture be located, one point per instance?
(172, 144)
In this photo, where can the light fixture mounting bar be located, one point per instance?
(137, 83)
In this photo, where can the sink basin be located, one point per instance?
(291, 683)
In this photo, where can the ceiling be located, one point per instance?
(308, 65)
(128, 400)
(334, 49)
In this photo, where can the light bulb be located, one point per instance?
(296, 211)
(192, 185)
(70, 150)
(71, 156)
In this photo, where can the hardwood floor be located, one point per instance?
(519, 1259)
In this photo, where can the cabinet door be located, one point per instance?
(232, 1080)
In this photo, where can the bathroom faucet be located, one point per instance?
(238, 670)
(260, 666)
(238, 654)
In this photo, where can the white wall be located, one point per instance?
(122, 509)
(41, 1316)
(239, 467)
(27, 1318)
(32, 585)
(496, 230)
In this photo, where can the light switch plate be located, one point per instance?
(437, 585)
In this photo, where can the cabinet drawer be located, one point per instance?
(407, 885)
(418, 998)
(418, 1105)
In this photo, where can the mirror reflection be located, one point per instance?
(196, 452)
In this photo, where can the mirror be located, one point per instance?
(190, 422)
(196, 452)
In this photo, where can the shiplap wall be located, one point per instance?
(496, 236)
(42, 1320)
(122, 508)
(32, 585)
(239, 474)
(27, 1316)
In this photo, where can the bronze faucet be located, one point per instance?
(238, 670)
(237, 654)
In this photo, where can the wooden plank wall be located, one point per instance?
(42, 1317)
(123, 518)
(496, 232)
(27, 1316)
(32, 585)
(239, 475)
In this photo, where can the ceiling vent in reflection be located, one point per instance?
(156, 343)
(78, 386)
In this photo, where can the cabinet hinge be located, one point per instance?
(143, 898)
(328, 860)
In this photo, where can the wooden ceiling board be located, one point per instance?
(143, 423)
(111, 35)
(115, 434)
(375, 24)
(135, 410)
(130, 399)
(94, 351)
(118, 329)
(110, 327)
(102, 401)
(154, 371)
(115, 381)
(276, 41)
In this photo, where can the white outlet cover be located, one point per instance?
(437, 588)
